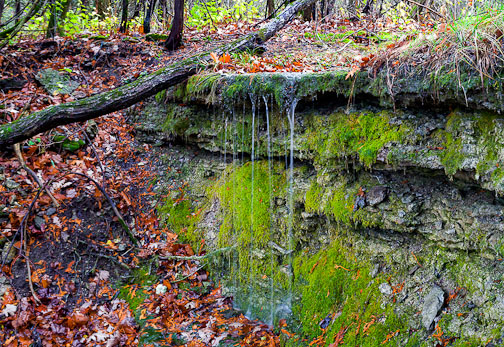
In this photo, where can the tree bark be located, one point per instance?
(102, 8)
(367, 8)
(9, 33)
(138, 7)
(2, 4)
(148, 16)
(58, 14)
(17, 10)
(124, 16)
(131, 93)
(270, 7)
(174, 40)
(350, 7)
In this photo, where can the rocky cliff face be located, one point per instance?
(388, 226)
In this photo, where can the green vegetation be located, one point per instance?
(209, 13)
(357, 134)
(67, 144)
(75, 22)
(179, 214)
(247, 221)
(337, 283)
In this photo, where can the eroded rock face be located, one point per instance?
(385, 204)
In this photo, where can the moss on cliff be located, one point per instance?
(358, 134)
(247, 213)
(336, 283)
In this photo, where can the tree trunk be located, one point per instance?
(367, 8)
(308, 13)
(164, 7)
(2, 4)
(148, 16)
(9, 33)
(270, 7)
(138, 8)
(350, 7)
(17, 10)
(53, 20)
(131, 93)
(124, 16)
(58, 14)
(174, 40)
(102, 8)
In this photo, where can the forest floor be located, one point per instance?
(87, 284)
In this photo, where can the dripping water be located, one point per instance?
(252, 158)
(290, 239)
(270, 178)
(233, 216)
(243, 135)
(225, 139)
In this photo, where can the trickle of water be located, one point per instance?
(225, 139)
(233, 215)
(252, 99)
(290, 239)
(252, 158)
(270, 187)
(243, 134)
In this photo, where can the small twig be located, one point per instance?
(427, 8)
(196, 257)
(271, 15)
(19, 155)
(111, 258)
(112, 204)
(186, 277)
(104, 183)
(30, 283)
(210, 15)
(22, 225)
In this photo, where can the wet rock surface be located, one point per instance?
(419, 207)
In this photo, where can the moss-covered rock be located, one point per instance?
(387, 203)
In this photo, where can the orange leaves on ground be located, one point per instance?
(453, 295)
(225, 58)
(369, 324)
(338, 339)
(336, 266)
(78, 319)
(390, 336)
(69, 267)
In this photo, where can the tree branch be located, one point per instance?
(129, 94)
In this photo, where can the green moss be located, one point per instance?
(156, 37)
(179, 214)
(335, 282)
(358, 134)
(452, 156)
(246, 211)
(203, 85)
(67, 144)
(313, 197)
(161, 96)
(337, 201)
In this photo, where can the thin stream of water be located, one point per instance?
(270, 187)
(290, 245)
(225, 139)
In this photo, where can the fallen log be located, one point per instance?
(131, 93)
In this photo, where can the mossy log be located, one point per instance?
(131, 93)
